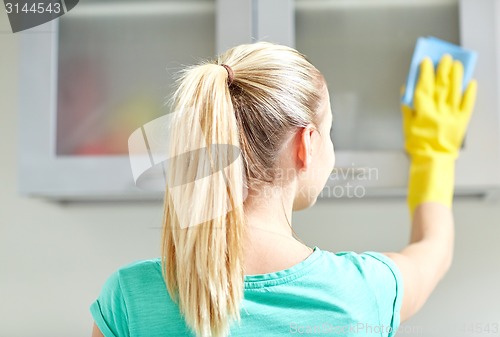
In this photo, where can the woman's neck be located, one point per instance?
(269, 244)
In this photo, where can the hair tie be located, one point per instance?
(230, 74)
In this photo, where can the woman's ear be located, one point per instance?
(304, 151)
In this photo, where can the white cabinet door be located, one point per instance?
(364, 49)
(93, 76)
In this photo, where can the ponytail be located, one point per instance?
(203, 216)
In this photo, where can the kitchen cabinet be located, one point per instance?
(106, 68)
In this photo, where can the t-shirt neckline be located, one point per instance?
(282, 276)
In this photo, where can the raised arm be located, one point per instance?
(434, 131)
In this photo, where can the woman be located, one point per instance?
(230, 263)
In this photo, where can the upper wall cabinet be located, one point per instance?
(364, 49)
(92, 77)
(89, 79)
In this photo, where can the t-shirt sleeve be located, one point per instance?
(386, 281)
(109, 310)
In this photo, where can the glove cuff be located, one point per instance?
(431, 178)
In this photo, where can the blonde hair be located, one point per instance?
(274, 90)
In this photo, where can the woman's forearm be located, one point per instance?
(433, 227)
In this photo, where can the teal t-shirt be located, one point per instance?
(327, 294)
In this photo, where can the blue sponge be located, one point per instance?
(435, 49)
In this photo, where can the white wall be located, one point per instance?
(54, 257)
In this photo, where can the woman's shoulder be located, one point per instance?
(140, 266)
(363, 263)
(134, 296)
(138, 273)
(361, 258)
(136, 282)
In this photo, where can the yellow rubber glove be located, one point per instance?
(434, 130)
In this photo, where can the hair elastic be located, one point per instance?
(230, 74)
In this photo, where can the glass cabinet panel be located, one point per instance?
(364, 49)
(117, 62)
